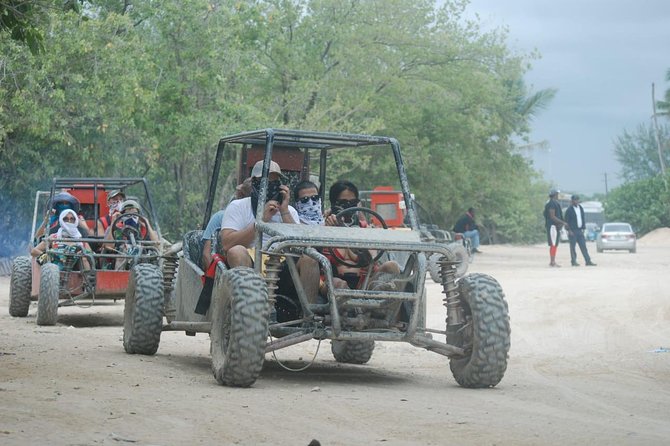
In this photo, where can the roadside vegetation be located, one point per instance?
(129, 88)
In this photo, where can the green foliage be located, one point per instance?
(147, 88)
(637, 152)
(645, 204)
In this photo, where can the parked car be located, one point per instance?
(616, 236)
(591, 232)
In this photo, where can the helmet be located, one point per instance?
(67, 200)
(129, 204)
(114, 193)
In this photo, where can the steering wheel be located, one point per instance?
(364, 257)
(122, 229)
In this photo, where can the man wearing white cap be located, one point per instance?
(238, 228)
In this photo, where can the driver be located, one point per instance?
(134, 219)
(343, 195)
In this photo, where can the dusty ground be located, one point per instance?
(586, 367)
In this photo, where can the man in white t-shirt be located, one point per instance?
(238, 228)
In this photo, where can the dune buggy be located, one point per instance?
(242, 321)
(68, 273)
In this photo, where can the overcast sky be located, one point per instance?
(602, 56)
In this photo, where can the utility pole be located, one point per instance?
(658, 139)
(606, 191)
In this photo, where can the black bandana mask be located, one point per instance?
(274, 192)
(338, 206)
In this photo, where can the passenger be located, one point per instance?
(344, 195)
(114, 200)
(308, 203)
(242, 190)
(60, 202)
(68, 229)
(238, 228)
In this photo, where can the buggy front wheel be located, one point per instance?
(239, 332)
(143, 310)
(19, 287)
(485, 336)
(47, 300)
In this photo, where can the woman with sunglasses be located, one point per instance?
(60, 241)
(343, 195)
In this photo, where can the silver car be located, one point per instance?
(616, 236)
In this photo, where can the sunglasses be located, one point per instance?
(345, 204)
(313, 198)
(68, 219)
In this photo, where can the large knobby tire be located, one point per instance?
(143, 312)
(486, 336)
(47, 300)
(19, 287)
(239, 333)
(352, 352)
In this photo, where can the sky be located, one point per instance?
(602, 56)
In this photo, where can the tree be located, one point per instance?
(664, 105)
(645, 204)
(637, 152)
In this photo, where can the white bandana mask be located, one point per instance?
(310, 212)
(68, 229)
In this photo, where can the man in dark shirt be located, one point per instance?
(574, 216)
(466, 225)
(553, 217)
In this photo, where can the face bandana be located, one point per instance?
(338, 206)
(310, 212)
(68, 229)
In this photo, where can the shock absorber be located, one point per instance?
(451, 295)
(272, 270)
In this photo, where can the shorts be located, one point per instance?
(553, 235)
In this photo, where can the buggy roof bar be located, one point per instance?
(303, 139)
(306, 139)
(107, 183)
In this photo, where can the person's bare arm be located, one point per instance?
(39, 249)
(555, 219)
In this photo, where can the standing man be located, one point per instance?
(574, 216)
(466, 225)
(553, 217)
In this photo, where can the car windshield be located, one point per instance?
(622, 227)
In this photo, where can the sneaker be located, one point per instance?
(477, 251)
(555, 265)
(575, 264)
(590, 264)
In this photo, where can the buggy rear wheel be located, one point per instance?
(143, 310)
(47, 300)
(239, 332)
(19, 287)
(485, 336)
(352, 352)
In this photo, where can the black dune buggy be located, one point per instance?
(249, 318)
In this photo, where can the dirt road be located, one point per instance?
(589, 365)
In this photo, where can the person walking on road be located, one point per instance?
(574, 216)
(553, 217)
